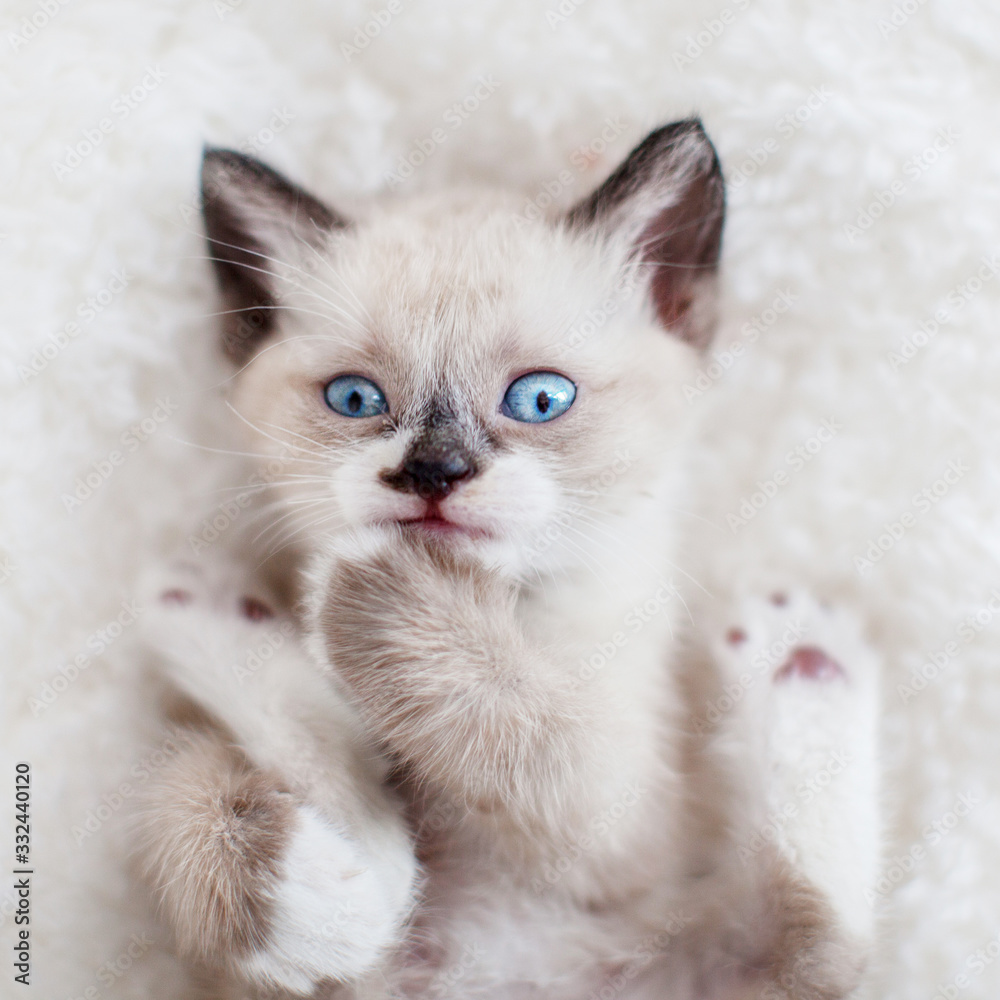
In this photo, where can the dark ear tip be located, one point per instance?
(217, 166)
(212, 154)
(217, 159)
(684, 126)
(691, 132)
(224, 169)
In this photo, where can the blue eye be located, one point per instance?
(354, 396)
(538, 397)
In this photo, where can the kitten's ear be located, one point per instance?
(666, 202)
(260, 227)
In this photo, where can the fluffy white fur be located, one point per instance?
(573, 807)
(801, 791)
(812, 753)
(348, 874)
(853, 304)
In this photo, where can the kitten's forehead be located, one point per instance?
(444, 302)
(462, 282)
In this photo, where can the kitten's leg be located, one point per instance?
(430, 648)
(798, 732)
(273, 851)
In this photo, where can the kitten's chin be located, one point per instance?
(441, 528)
(442, 521)
(486, 545)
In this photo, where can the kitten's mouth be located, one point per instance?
(434, 522)
(436, 525)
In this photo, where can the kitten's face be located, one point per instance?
(428, 314)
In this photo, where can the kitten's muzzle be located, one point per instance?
(433, 473)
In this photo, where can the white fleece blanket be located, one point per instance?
(851, 411)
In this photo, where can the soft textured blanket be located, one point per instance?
(851, 408)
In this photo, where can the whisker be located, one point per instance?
(270, 437)
(286, 430)
(347, 288)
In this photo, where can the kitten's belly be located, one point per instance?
(484, 931)
(508, 914)
(511, 949)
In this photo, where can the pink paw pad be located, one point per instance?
(255, 610)
(176, 596)
(811, 664)
(736, 636)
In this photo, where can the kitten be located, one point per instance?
(482, 431)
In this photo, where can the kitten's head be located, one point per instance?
(442, 362)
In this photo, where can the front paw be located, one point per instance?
(335, 910)
(422, 644)
(387, 596)
(789, 639)
(795, 675)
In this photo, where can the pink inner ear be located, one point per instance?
(670, 191)
(681, 245)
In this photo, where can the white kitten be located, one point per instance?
(483, 432)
